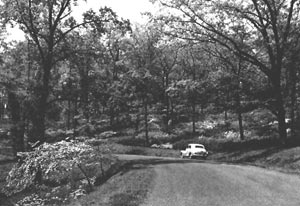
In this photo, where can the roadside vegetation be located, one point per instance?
(73, 94)
(89, 174)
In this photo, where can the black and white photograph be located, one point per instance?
(149, 102)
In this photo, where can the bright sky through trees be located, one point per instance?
(127, 9)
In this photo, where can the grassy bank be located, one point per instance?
(129, 187)
(281, 159)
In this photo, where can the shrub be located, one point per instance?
(132, 141)
(56, 166)
(223, 144)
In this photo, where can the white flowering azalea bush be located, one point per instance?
(231, 135)
(58, 171)
(31, 200)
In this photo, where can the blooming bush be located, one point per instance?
(71, 166)
(31, 200)
(231, 135)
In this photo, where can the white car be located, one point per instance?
(194, 150)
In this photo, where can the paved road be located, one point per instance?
(196, 183)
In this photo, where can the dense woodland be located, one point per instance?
(192, 59)
(75, 91)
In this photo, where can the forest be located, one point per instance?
(222, 73)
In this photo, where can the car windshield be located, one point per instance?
(198, 146)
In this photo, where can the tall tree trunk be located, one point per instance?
(69, 115)
(226, 107)
(112, 115)
(84, 87)
(18, 127)
(171, 117)
(167, 113)
(166, 100)
(239, 113)
(241, 128)
(41, 98)
(137, 122)
(146, 121)
(38, 121)
(279, 104)
(281, 118)
(293, 97)
(75, 114)
(194, 102)
(194, 116)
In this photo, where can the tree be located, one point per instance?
(235, 66)
(47, 24)
(142, 75)
(266, 24)
(196, 64)
(190, 90)
(15, 82)
(167, 55)
(291, 78)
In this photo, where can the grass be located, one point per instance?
(129, 187)
(139, 150)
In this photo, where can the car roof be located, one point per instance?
(196, 144)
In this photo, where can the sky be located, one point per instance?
(127, 9)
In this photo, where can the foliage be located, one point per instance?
(32, 200)
(55, 165)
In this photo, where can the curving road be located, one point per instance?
(196, 183)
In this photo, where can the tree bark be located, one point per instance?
(279, 104)
(112, 115)
(194, 116)
(281, 118)
(293, 97)
(146, 121)
(75, 123)
(41, 101)
(239, 113)
(241, 128)
(137, 122)
(18, 127)
(69, 115)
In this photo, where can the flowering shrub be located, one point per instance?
(231, 135)
(53, 167)
(32, 200)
